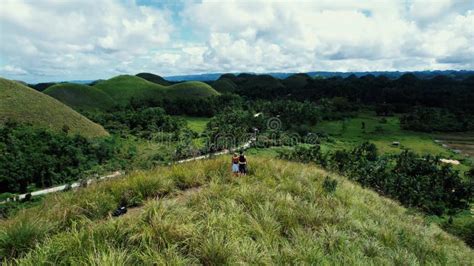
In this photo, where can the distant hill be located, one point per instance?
(124, 88)
(80, 96)
(191, 89)
(296, 81)
(223, 85)
(41, 86)
(25, 105)
(253, 84)
(455, 74)
(154, 78)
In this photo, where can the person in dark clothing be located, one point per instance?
(242, 164)
(235, 164)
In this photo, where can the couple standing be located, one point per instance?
(239, 164)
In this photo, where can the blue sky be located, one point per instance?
(85, 39)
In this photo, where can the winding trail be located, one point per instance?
(119, 173)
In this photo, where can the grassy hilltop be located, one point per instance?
(154, 78)
(25, 105)
(126, 87)
(80, 96)
(190, 89)
(196, 213)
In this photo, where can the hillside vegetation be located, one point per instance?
(80, 96)
(190, 89)
(22, 104)
(154, 78)
(196, 213)
(125, 88)
(224, 85)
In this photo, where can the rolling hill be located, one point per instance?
(25, 105)
(296, 81)
(124, 88)
(192, 89)
(80, 96)
(224, 85)
(154, 78)
(197, 213)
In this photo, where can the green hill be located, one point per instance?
(192, 89)
(224, 85)
(124, 88)
(25, 105)
(296, 81)
(154, 78)
(260, 82)
(80, 96)
(197, 213)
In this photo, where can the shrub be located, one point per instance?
(329, 185)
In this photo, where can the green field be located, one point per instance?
(197, 213)
(349, 133)
(197, 124)
(25, 105)
(80, 96)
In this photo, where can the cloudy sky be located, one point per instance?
(80, 39)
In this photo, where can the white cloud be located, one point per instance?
(13, 70)
(59, 38)
(97, 39)
(365, 35)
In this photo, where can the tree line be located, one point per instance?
(37, 158)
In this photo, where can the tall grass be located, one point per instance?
(279, 214)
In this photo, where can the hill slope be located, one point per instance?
(190, 89)
(124, 88)
(296, 81)
(224, 85)
(154, 78)
(80, 96)
(26, 105)
(199, 214)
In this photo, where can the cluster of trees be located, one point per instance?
(142, 122)
(453, 98)
(231, 128)
(428, 119)
(237, 124)
(406, 91)
(38, 158)
(204, 107)
(416, 181)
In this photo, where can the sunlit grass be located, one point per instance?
(197, 124)
(278, 214)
